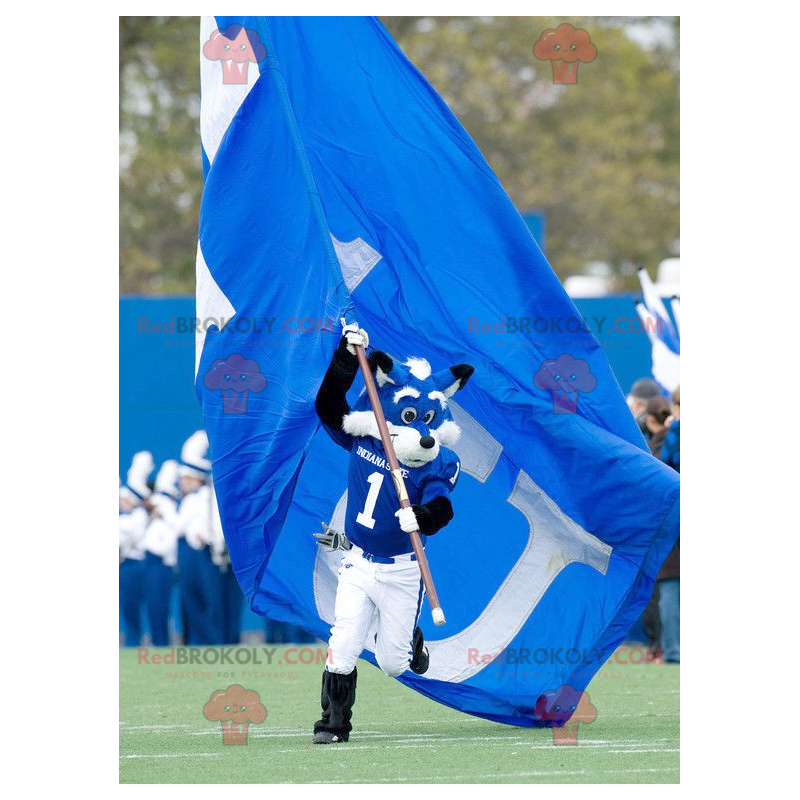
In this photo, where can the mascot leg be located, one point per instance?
(338, 696)
(399, 644)
(353, 614)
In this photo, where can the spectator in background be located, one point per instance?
(653, 418)
(669, 577)
(642, 390)
(657, 411)
(671, 449)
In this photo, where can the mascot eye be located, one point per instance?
(573, 377)
(557, 708)
(573, 47)
(227, 47)
(227, 708)
(227, 377)
(244, 47)
(571, 708)
(243, 377)
(408, 415)
(428, 418)
(557, 47)
(244, 708)
(557, 376)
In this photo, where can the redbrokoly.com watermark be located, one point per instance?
(221, 657)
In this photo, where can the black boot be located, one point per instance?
(338, 696)
(420, 658)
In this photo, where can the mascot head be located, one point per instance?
(414, 402)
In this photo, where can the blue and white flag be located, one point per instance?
(339, 184)
(663, 335)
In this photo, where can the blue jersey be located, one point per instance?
(370, 521)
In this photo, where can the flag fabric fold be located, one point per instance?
(338, 183)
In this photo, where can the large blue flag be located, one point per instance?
(338, 183)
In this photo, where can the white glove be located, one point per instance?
(332, 539)
(354, 336)
(408, 519)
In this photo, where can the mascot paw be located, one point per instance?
(408, 519)
(354, 336)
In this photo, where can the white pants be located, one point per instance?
(381, 598)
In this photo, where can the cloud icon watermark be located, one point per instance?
(564, 710)
(565, 378)
(235, 377)
(236, 48)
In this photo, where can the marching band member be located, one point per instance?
(199, 579)
(161, 551)
(132, 525)
(230, 592)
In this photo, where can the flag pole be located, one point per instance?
(399, 484)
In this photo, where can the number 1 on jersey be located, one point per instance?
(365, 517)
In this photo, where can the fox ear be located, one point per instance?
(381, 365)
(450, 380)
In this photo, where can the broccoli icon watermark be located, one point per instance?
(235, 377)
(563, 710)
(565, 377)
(235, 707)
(566, 47)
(236, 47)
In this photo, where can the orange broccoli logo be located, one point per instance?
(237, 707)
(566, 48)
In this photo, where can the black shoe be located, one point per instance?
(421, 658)
(338, 695)
(326, 737)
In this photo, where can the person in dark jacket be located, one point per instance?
(655, 416)
(671, 448)
(669, 578)
(657, 412)
(642, 390)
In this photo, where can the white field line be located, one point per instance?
(431, 745)
(516, 741)
(414, 737)
(170, 755)
(534, 774)
(151, 727)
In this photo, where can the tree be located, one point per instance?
(600, 157)
(160, 169)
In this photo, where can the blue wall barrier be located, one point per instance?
(158, 408)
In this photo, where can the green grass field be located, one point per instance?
(398, 737)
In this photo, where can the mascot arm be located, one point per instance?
(331, 403)
(433, 515)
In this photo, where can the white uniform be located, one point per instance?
(161, 536)
(194, 518)
(132, 528)
(219, 550)
(374, 598)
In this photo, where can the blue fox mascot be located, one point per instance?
(378, 577)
